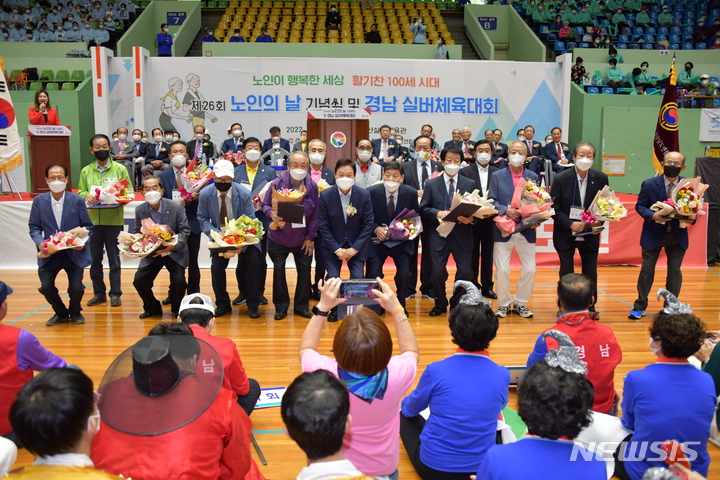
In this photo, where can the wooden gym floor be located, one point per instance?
(269, 348)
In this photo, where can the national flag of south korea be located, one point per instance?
(10, 152)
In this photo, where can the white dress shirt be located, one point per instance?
(57, 208)
(420, 164)
(484, 173)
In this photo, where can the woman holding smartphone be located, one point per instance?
(377, 380)
(41, 113)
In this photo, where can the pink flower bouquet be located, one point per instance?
(137, 245)
(161, 233)
(236, 158)
(285, 195)
(196, 176)
(685, 200)
(114, 193)
(72, 239)
(533, 203)
(407, 225)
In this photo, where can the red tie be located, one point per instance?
(466, 149)
(559, 151)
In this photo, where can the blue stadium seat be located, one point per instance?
(630, 16)
(593, 90)
(639, 31)
(688, 46)
(655, 8)
(675, 30)
(584, 45)
(663, 30)
(607, 90)
(674, 46)
(581, 31)
(674, 38)
(621, 46)
(605, 21)
(571, 45)
(647, 46)
(649, 38)
(688, 38)
(544, 29)
(623, 39)
(715, 80)
(651, 31)
(651, 90)
(559, 46)
(661, 37)
(700, 46)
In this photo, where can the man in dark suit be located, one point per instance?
(535, 161)
(162, 212)
(172, 182)
(253, 175)
(275, 141)
(226, 199)
(318, 171)
(156, 155)
(301, 144)
(60, 211)
(573, 191)
(456, 139)
(345, 220)
(385, 149)
(388, 200)
(660, 232)
(481, 172)
(402, 153)
(467, 146)
(236, 143)
(199, 148)
(500, 150)
(434, 207)
(417, 172)
(138, 151)
(558, 152)
(124, 152)
(502, 188)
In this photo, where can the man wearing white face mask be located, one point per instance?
(318, 171)
(275, 141)
(434, 207)
(482, 241)
(293, 238)
(162, 212)
(345, 220)
(388, 200)
(573, 191)
(301, 144)
(254, 176)
(368, 173)
(124, 152)
(59, 211)
(236, 142)
(156, 158)
(198, 147)
(501, 190)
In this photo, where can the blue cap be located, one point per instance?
(5, 290)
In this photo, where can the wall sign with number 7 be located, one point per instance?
(176, 18)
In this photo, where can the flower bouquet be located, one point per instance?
(534, 205)
(238, 233)
(196, 176)
(75, 239)
(117, 193)
(323, 184)
(134, 245)
(486, 209)
(236, 158)
(405, 226)
(606, 207)
(160, 233)
(685, 200)
(285, 195)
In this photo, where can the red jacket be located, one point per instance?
(216, 445)
(12, 379)
(235, 378)
(596, 344)
(38, 118)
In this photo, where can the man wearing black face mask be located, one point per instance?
(108, 221)
(660, 232)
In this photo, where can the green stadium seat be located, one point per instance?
(35, 86)
(68, 86)
(14, 72)
(52, 86)
(77, 76)
(212, 4)
(62, 76)
(89, 73)
(222, 4)
(48, 74)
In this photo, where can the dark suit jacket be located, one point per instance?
(150, 153)
(42, 224)
(264, 174)
(405, 197)
(537, 149)
(411, 173)
(451, 143)
(173, 215)
(502, 190)
(471, 172)
(229, 145)
(471, 147)
(207, 148)
(500, 152)
(140, 149)
(403, 153)
(327, 175)
(653, 190)
(565, 187)
(209, 207)
(298, 147)
(393, 148)
(268, 145)
(551, 153)
(333, 228)
(130, 151)
(169, 181)
(433, 201)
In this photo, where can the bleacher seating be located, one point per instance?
(304, 22)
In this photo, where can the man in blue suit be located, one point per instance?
(60, 211)
(235, 144)
(388, 200)
(226, 199)
(253, 176)
(172, 181)
(345, 221)
(558, 152)
(156, 155)
(318, 171)
(434, 207)
(500, 150)
(170, 213)
(385, 149)
(467, 146)
(501, 190)
(456, 139)
(660, 232)
(275, 141)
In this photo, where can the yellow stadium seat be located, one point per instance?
(333, 34)
(333, 40)
(320, 40)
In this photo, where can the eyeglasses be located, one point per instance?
(672, 164)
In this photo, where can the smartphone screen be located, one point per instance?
(358, 288)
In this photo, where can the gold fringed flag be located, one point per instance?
(10, 153)
(666, 133)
